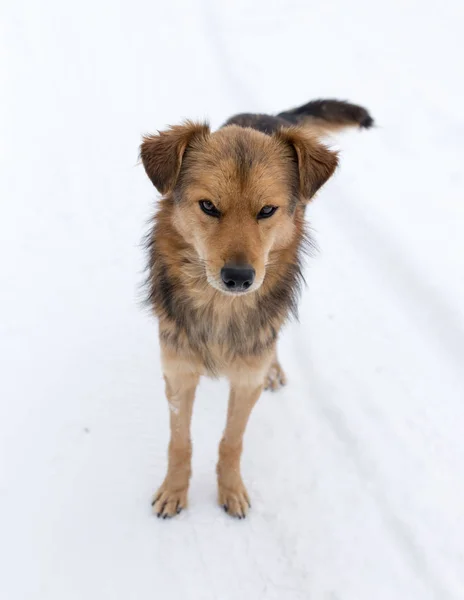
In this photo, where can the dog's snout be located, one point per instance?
(237, 278)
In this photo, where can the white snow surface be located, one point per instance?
(356, 468)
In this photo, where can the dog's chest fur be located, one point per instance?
(203, 325)
(217, 333)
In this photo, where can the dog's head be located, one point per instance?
(235, 193)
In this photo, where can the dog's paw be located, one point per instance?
(167, 503)
(234, 500)
(275, 378)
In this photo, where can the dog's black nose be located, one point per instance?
(237, 278)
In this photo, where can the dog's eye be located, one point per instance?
(266, 212)
(208, 207)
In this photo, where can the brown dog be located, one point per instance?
(225, 265)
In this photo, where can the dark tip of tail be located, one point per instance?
(331, 111)
(367, 122)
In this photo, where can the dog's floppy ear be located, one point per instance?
(162, 154)
(316, 163)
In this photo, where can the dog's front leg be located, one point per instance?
(181, 382)
(232, 493)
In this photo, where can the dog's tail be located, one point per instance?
(321, 117)
(325, 116)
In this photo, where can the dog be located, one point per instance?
(225, 265)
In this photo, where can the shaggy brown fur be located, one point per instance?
(254, 162)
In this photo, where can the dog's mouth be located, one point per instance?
(234, 289)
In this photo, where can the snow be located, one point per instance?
(356, 468)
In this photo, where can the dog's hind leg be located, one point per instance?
(275, 377)
(181, 383)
